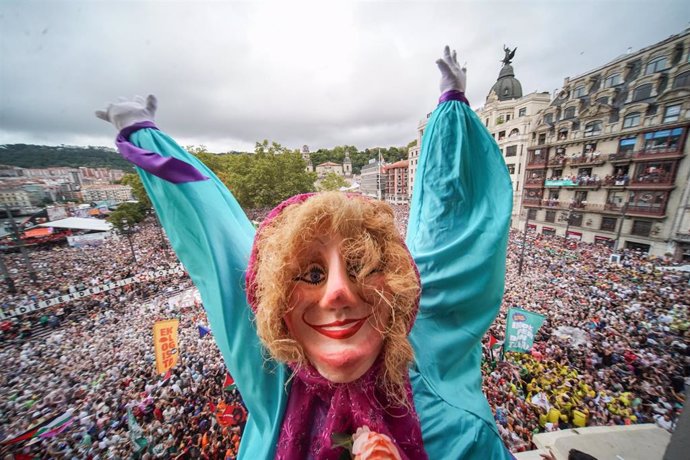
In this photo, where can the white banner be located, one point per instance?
(141, 277)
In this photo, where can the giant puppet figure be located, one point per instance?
(326, 319)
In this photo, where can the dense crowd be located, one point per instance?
(612, 351)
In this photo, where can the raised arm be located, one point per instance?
(457, 234)
(212, 237)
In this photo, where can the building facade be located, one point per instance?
(608, 162)
(372, 180)
(395, 176)
(510, 122)
(117, 193)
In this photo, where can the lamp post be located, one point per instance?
(11, 289)
(524, 244)
(20, 244)
(620, 227)
(157, 224)
(126, 229)
(568, 220)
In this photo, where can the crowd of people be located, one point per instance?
(613, 350)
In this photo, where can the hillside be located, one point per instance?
(44, 156)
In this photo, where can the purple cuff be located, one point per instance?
(167, 168)
(453, 95)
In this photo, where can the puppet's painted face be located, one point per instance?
(337, 320)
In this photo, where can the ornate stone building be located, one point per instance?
(509, 116)
(607, 160)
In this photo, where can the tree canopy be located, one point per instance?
(332, 181)
(263, 179)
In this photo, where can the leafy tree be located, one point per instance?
(138, 190)
(332, 181)
(133, 213)
(263, 179)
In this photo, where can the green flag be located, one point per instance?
(521, 328)
(136, 434)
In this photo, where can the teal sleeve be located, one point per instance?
(212, 237)
(457, 234)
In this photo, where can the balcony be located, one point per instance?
(616, 182)
(657, 211)
(664, 153)
(537, 163)
(533, 202)
(620, 157)
(684, 237)
(652, 183)
(587, 160)
(555, 162)
(572, 205)
(535, 182)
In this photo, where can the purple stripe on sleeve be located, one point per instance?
(453, 95)
(167, 168)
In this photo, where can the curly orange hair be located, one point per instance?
(371, 242)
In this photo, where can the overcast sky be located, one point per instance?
(324, 73)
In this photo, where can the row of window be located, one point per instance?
(504, 118)
(608, 224)
(655, 65)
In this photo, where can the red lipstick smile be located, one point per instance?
(339, 330)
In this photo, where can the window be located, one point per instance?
(603, 100)
(641, 228)
(592, 128)
(511, 150)
(631, 120)
(499, 120)
(665, 139)
(486, 123)
(508, 117)
(682, 80)
(656, 65)
(672, 113)
(511, 168)
(569, 113)
(531, 214)
(576, 219)
(642, 92)
(613, 80)
(501, 135)
(626, 145)
(562, 135)
(542, 139)
(514, 132)
(522, 112)
(548, 118)
(579, 91)
(557, 172)
(608, 224)
(550, 216)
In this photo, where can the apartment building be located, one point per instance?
(607, 161)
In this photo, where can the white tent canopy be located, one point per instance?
(80, 223)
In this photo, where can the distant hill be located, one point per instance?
(44, 156)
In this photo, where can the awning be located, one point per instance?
(79, 223)
(37, 232)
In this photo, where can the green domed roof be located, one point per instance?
(507, 86)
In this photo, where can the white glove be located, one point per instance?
(452, 76)
(124, 113)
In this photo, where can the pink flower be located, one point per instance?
(369, 445)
